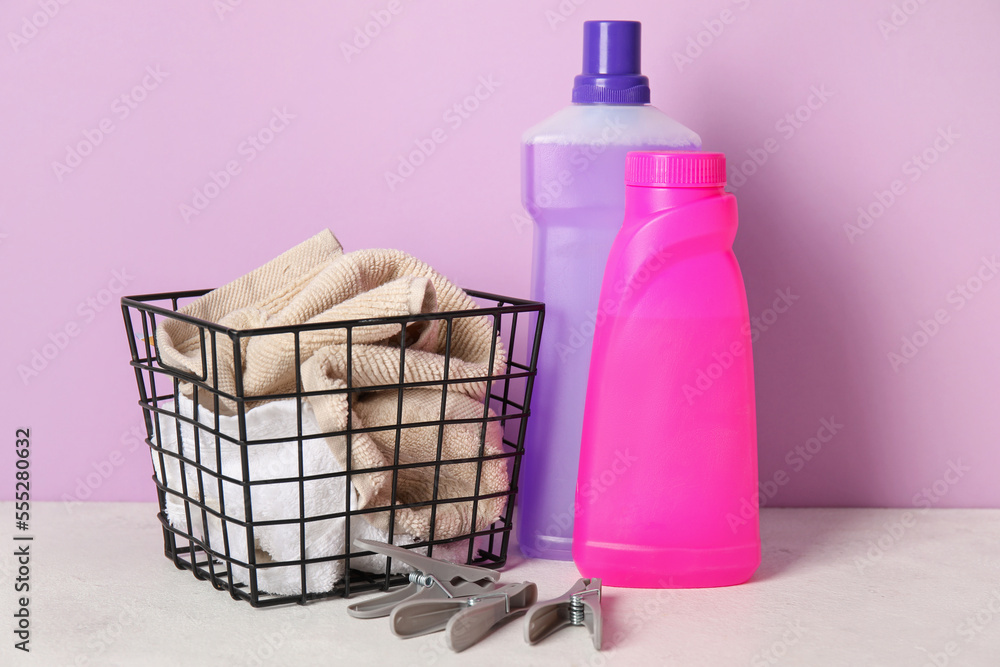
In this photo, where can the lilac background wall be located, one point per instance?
(890, 107)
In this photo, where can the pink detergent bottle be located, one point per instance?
(667, 488)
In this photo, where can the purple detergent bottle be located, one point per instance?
(573, 167)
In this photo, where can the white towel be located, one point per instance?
(276, 501)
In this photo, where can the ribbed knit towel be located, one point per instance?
(317, 282)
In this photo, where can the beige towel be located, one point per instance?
(316, 282)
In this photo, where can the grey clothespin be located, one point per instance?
(465, 620)
(433, 580)
(580, 605)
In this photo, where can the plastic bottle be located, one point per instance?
(572, 167)
(668, 466)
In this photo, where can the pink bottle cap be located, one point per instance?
(675, 169)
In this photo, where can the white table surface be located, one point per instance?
(836, 587)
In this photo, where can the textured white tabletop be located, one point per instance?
(837, 587)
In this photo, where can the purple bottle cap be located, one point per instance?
(611, 71)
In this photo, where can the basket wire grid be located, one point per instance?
(508, 391)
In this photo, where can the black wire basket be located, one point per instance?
(207, 482)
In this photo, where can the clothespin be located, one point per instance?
(432, 580)
(465, 620)
(580, 605)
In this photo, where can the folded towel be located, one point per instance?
(316, 282)
(277, 501)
